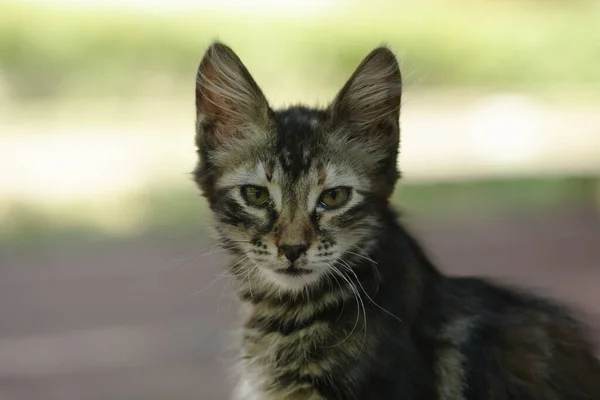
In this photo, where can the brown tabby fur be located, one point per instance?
(357, 311)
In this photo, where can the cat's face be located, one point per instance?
(295, 193)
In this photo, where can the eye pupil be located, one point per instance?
(334, 198)
(255, 195)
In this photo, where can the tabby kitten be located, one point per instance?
(342, 302)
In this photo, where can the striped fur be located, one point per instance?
(359, 313)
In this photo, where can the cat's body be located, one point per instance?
(342, 302)
(448, 338)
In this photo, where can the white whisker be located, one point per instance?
(360, 306)
(348, 268)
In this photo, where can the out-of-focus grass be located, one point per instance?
(165, 211)
(536, 45)
(81, 55)
(470, 199)
(171, 213)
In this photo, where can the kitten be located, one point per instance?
(343, 303)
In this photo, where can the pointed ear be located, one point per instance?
(366, 113)
(370, 101)
(228, 100)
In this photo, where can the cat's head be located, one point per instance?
(296, 193)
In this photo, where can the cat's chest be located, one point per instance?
(283, 354)
(297, 351)
(280, 363)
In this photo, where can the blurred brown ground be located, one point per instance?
(140, 320)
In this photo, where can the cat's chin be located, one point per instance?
(293, 280)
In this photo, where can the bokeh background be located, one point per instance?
(109, 285)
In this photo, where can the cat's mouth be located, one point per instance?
(293, 271)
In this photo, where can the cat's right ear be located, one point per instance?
(228, 100)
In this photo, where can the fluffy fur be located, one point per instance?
(361, 314)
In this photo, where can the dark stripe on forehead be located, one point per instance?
(298, 138)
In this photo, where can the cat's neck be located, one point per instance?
(408, 276)
(399, 250)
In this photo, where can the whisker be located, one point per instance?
(362, 256)
(347, 267)
(373, 265)
(221, 295)
(222, 275)
(332, 289)
(360, 305)
(215, 248)
(247, 276)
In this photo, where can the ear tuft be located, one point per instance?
(227, 97)
(366, 113)
(372, 93)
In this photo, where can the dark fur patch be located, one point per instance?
(286, 326)
(298, 140)
(354, 214)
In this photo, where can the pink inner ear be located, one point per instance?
(212, 108)
(208, 103)
(373, 92)
(227, 98)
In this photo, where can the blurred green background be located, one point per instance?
(96, 98)
(500, 157)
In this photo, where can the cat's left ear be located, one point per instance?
(369, 102)
(228, 100)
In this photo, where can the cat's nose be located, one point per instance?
(293, 252)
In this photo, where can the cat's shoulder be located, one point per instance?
(492, 299)
(494, 307)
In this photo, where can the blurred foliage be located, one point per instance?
(51, 50)
(172, 213)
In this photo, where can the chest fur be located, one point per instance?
(295, 356)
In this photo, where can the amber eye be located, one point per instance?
(255, 195)
(334, 198)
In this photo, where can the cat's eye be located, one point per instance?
(334, 198)
(255, 195)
